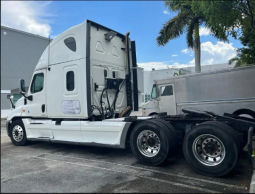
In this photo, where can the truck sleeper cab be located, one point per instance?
(82, 92)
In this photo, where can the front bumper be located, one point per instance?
(8, 124)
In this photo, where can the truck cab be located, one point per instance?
(84, 78)
(162, 100)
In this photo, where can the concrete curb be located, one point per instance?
(252, 185)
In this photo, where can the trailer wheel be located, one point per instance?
(231, 131)
(210, 150)
(173, 136)
(149, 143)
(18, 133)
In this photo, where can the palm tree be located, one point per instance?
(185, 21)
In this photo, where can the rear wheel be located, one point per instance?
(149, 143)
(210, 150)
(172, 135)
(18, 133)
(231, 131)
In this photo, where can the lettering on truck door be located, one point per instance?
(167, 99)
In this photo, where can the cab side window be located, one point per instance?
(166, 90)
(37, 84)
(70, 81)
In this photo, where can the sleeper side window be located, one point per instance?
(37, 84)
(166, 90)
(70, 43)
(70, 81)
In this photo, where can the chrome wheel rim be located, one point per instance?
(148, 143)
(17, 133)
(208, 150)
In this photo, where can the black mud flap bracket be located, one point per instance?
(249, 147)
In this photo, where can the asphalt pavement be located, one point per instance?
(48, 167)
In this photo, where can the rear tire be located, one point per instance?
(231, 131)
(18, 133)
(210, 149)
(149, 143)
(172, 135)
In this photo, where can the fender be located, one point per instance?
(153, 113)
(17, 112)
(245, 111)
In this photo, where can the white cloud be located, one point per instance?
(203, 31)
(186, 51)
(174, 55)
(53, 36)
(165, 12)
(215, 53)
(27, 16)
(210, 54)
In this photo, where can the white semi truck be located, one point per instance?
(83, 90)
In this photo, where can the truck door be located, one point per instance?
(37, 126)
(37, 107)
(167, 99)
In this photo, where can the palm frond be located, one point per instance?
(218, 33)
(178, 5)
(174, 27)
(189, 34)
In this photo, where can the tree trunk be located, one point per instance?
(197, 49)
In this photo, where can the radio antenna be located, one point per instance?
(49, 54)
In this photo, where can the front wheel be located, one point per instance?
(18, 133)
(210, 150)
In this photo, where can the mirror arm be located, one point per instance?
(22, 93)
(27, 97)
(13, 106)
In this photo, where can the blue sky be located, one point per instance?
(142, 18)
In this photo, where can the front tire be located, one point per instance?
(149, 143)
(210, 150)
(18, 133)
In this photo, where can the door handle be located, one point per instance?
(43, 108)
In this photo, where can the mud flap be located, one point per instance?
(249, 147)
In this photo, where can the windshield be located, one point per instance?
(154, 92)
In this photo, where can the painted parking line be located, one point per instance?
(132, 174)
(151, 170)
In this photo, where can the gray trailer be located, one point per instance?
(219, 91)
